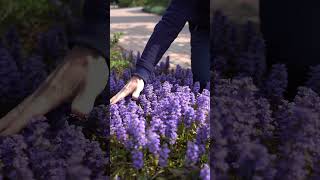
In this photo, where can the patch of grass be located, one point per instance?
(130, 3)
(117, 61)
(115, 39)
(156, 7)
(159, 10)
(119, 65)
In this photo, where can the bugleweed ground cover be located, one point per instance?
(256, 132)
(56, 146)
(163, 134)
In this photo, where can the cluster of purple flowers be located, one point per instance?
(20, 74)
(256, 132)
(40, 152)
(252, 130)
(170, 112)
(169, 108)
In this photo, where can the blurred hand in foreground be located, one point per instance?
(134, 87)
(80, 78)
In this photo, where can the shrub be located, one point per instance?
(130, 3)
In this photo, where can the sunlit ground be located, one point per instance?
(137, 27)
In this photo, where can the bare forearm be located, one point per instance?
(63, 83)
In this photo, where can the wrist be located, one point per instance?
(142, 73)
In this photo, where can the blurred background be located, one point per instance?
(33, 40)
(239, 11)
(152, 6)
(30, 18)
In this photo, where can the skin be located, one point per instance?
(134, 86)
(80, 78)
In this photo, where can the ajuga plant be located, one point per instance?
(256, 132)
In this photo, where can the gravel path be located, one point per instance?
(137, 27)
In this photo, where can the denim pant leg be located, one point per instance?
(200, 56)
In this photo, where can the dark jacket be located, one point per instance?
(196, 12)
(95, 27)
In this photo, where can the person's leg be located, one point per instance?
(200, 55)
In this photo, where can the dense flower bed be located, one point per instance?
(40, 152)
(256, 132)
(163, 134)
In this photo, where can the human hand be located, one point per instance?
(80, 78)
(134, 87)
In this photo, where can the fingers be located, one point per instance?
(137, 91)
(134, 87)
(82, 105)
(128, 89)
(58, 87)
(15, 113)
(15, 126)
(11, 116)
(5, 121)
(93, 85)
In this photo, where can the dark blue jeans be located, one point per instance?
(200, 54)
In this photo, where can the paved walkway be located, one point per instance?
(137, 27)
